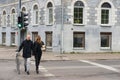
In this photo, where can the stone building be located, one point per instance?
(65, 25)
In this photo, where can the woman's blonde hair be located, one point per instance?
(38, 39)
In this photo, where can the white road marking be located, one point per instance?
(102, 66)
(71, 67)
(44, 70)
(76, 67)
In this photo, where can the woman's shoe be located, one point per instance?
(37, 71)
(28, 73)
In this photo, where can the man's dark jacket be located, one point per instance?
(27, 46)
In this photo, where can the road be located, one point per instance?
(60, 70)
(84, 69)
(64, 70)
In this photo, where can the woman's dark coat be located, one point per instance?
(37, 48)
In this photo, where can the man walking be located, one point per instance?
(27, 46)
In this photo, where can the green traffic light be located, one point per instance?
(19, 25)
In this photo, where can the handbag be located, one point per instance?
(43, 48)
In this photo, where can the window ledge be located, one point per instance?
(49, 24)
(105, 25)
(75, 48)
(3, 43)
(105, 48)
(79, 24)
(13, 44)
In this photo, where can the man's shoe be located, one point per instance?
(25, 70)
(28, 73)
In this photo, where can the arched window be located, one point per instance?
(13, 18)
(106, 5)
(4, 21)
(78, 12)
(49, 13)
(24, 9)
(35, 15)
(105, 13)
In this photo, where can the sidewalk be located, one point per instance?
(9, 53)
(85, 56)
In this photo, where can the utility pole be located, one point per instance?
(19, 14)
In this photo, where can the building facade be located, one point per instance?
(65, 25)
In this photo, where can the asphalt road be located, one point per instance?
(64, 70)
(59, 70)
(84, 69)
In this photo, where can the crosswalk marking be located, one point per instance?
(44, 70)
(102, 66)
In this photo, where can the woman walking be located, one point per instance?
(38, 52)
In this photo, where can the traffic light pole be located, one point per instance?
(19, 14)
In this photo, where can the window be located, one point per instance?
(106, 40)
(79, 39)
(13, 38)
(24, 9)
(50, 13)
(4, 21)
(13, 18)
(49, 39)
(34, 35)
(3, 38)
(35, 15)
(105, 13)
(78, 12)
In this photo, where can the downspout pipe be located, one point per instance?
(62, 26)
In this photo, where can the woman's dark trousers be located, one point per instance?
(37, 62)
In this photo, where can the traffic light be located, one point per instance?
(20, 25)
(24, 19)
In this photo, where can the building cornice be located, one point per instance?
(9, 4)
